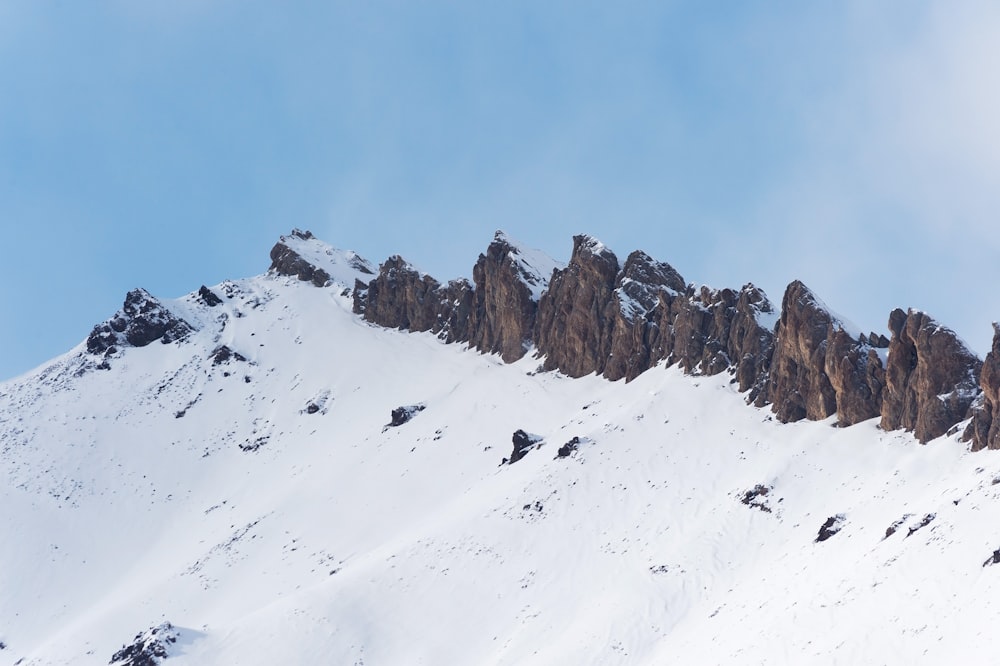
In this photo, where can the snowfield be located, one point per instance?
(264, 509)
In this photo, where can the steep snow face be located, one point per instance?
(256, 502)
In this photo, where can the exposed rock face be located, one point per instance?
(931, 377)
(401, 297)
(504, 310)
(819, 368)
(858, 378)
(147, 648)
(799, 386)
(142, 320)
(751, 342)
(208, 297)
(404, 414)
(573, 329)
(984, 430)
(644, 289)
(523, 442)
(287, 261)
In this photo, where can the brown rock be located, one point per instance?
(504, 308)
(286, 261)
(643, 289)
(751, 341)
(402, 297)
(931, 376)
(856, 374)
(573, 327)
(799, 387)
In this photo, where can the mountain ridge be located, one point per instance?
(598, 316)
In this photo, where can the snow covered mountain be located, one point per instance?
(267, 471)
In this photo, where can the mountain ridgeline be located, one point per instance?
(598, 315)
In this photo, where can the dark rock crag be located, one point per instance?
(931, 377)
(504, 309)
(141, 321)
(523, 442)
(573, 330)
(820, 369)
(644, 290)
(286, 261)
(402, 297)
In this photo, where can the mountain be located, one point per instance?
(548, 464)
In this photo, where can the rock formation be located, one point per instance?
(286, 261)
(931, 377)
(142, 320)
(573, 327)
(644, 289)
(504, 310)
(402, 297)
(799, 386)
(819, 368)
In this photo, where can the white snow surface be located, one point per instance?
(335, 542)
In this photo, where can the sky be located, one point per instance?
(168, 144)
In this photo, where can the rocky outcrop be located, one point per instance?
(402, 297)
(523, 442)
(751, 342)
(148, 648)
(819, 368)
(504, 305)
(984, 430)
(799, 386)
(286, 261)
(716, 330)
(857, 375)
(931, 376)
(142, 320)
(573, 329)
(644, 289)
(208, 297)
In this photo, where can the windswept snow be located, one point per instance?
(171, 489)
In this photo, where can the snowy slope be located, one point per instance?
(263, 508)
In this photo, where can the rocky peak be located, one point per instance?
(302, 255)
(572, 329)
(638, 298)
(799, 385)
(932, 378)
(505, 302)
(141, 320)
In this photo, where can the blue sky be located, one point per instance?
(166, 144)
